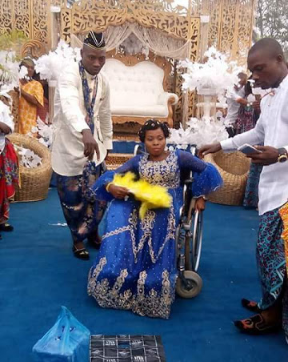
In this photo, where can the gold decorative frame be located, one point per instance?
(176, 22)
(230, 26)
(30, 16)
(33, 49)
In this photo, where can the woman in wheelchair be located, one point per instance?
(136, 265)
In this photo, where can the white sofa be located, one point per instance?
(137, 92)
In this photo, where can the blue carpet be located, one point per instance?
(39, 274)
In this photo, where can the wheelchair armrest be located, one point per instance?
(189, 180)
(193, 150)
(138, 150)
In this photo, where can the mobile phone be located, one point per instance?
(247, 149)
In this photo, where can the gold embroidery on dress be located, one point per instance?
(116, 232)
(152, 303)
(162, 173)
(140, 300)
(119, 282)
(147, 225)
(94, 275)
(166, 286)
(171, 228)
(130, 227)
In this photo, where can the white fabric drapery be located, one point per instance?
(156, 40)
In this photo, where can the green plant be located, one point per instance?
(12, 40)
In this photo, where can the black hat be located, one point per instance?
(95, 40)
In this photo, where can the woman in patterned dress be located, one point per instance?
(8, 167)
(31, 99)
(136, 265)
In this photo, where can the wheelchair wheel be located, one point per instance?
(191, 286)
(193, 243)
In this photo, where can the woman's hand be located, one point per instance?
(4, 128)
(200, 204)
(118, 192)
(23, 81)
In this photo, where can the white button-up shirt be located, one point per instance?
(271, 130)
(69, 121)
(233, 105)
(5, 117)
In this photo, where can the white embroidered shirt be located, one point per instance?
(271, 130)
(69, 121)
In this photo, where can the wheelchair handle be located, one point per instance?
(190, 179)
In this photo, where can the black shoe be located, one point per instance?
(256, 325)
(250, 305)
(6, 227)
(80, 253)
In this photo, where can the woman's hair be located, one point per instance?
(27, 61)
(151, 125)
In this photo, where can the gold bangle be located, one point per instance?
(108, 185)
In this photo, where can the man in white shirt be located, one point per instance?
(82, 135)
(267, 65)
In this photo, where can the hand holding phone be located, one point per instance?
(248, 149)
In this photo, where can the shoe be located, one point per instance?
(6, 227)
(250, 305)
(80, 253)
(257, 325)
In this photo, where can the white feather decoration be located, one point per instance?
(9, 70)
(5, 113)
(23, 72)
(44, 133)
(199, 132)
(51, 65)
(29, 159)
(216, 75)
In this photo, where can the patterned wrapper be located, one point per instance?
(284, 215)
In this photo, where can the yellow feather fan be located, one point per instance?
(151, 196)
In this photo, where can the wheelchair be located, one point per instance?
(189, 235)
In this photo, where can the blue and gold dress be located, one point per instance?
(136, 265)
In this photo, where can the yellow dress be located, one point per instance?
(28, 111)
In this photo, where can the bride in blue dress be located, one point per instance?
(135, 268)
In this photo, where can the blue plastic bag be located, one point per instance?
(67, 341)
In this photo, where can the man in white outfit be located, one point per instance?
(82, 136)
(268, 67)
